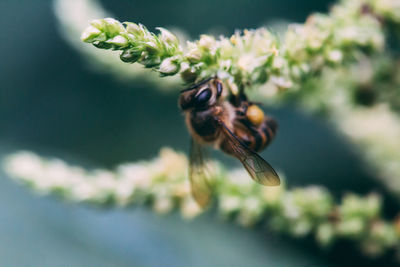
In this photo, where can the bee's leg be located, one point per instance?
(237, 100)
(241, 112)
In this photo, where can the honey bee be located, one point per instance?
(234, 125)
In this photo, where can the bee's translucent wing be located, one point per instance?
(257, 167)
(199, 176)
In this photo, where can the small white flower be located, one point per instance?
(113, 25)
(98, 23)
(325, 233)
(90, 33)
(133, 28)
(280, 82)
(194, 54)
(137, 174)
(229, 204)
(23, 164)
(104, 181)
(189, 208)
(301, 227)
(167, 36)
(84, 192)
(152, 45)
(118, 41)
(272, 194)
(232, 86)
(170, 164)
(335, 56)
(207, 42)
(169, 66)
(249, 61)
(290, 209)
(351, 226)
(279, 62)
(124, 191)
(163, 205)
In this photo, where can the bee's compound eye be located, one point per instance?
(203, 97)
(219, 88)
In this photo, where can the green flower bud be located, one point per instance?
(383, 233)
(335, 56)
(162, 204)
(301, 227)
(351, 227)
(325, 234)
(98, 23)
(130, 56)
(229, 204)
(150, 61)
(133, 28)
(372, 205)
(388, 8)
(90, 34)
(188, 75)
(194, 54)
(169, 66)
(113, 26)
(151, 47)
(118, 41)
(167, 36)
(250, 211)
(103, 45)
(352, 206)
(207, 42)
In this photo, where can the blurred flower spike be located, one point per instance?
(162, 184)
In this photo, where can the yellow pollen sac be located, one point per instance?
(255, 115)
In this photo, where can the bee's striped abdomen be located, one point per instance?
(258, 138)
(268, 131)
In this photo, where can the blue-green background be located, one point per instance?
(51, 102)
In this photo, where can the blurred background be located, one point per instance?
(53, 101)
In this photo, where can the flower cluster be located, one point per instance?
(362, 102)
(359, 221)
(377, 132)
(160, 51)
(162, 184)
(326, 40)
(72, 17)
(254, 56)
(302, 209)
(241, 58)
(388, 9)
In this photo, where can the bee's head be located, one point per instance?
(201, 95)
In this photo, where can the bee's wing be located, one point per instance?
(199, 176)
(257, 167)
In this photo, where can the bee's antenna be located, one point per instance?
(194, 86)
